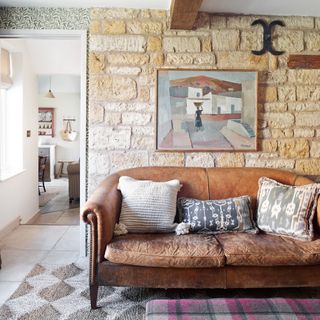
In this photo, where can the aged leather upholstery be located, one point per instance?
(251, 260)
(166, 250)
(244, 249)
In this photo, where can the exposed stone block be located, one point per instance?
(201, 159)
(275, 107)
(303, 132)
(96, 113)
(116, 14)
(304, 77)
(281, 133)
(167, 159)
(279, 120)
(132, 59)
(230, 160)
(129, 159)
(218, 22)
(143, 143)
(251, 40)
(308, 166)
(225, 40)
(308, 119)
(242, 60)
(119, 43)
(181, 44)
(135, 118)
(112, 119)
(312, 41)
(95, 27)
(288, 40)
(97, 63)
(114, 88)
(287, 93)
(144, 27)
(303, 106)
(113, 27)
(315, 149)
(154, 43)
(294, 148)
(311, 93)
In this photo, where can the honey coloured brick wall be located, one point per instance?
(126, 48)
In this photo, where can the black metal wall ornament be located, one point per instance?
(267, 37)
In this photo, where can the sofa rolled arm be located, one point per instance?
(101, 212)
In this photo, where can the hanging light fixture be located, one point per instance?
(49, 94)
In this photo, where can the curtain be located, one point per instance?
(5, 69)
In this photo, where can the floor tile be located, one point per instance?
(34, 237)
(48, 218)
(61, 257)
(7, 289)
(70, 240)
(69, 219)
(16, 264)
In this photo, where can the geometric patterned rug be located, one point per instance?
(61, 293)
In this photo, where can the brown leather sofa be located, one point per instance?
(230, 260)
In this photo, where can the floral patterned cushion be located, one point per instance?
(287, 210)
(217, 216)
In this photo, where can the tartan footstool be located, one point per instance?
(233, 308)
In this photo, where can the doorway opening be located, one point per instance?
(55, 150)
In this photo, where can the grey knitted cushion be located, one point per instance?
(147, 206)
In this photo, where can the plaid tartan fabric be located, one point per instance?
(234, 309)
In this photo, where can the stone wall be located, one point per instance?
(126, 48)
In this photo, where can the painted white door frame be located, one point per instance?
(65, 34)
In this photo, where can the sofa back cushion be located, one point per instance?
(194, 180)
(235, 182)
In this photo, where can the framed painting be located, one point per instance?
(206, 110)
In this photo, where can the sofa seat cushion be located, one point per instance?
(268, 250)
(166, 250)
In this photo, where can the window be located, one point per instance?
(11, 142)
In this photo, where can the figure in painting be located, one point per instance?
(198, 121)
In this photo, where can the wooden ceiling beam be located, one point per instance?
(183, 13)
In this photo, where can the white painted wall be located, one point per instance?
(66, 105)
(19, 194)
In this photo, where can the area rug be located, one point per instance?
(47, 196)
(61, 292)
(233, 308)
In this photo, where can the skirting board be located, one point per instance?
(33, 218)
(9, 227)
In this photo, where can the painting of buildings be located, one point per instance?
(206, 110)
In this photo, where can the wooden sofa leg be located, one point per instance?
(94, 295)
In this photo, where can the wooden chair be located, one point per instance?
(42, 169)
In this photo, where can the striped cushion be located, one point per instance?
(147, 206)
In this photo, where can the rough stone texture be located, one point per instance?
(242, 60)
(288, 40)
(113, 27)
(225, 40)
(311, 93)
(304, 77)
(303, 106)
(308, 166)
(201, 159)
(297, 22)
(287, 93)
(129, 159)
(269, 145)
(279, 120)
(218, 22)
(130, 43)
(96, 113)
(97, 62)
(206, 45)
(98, 162)
(315, 149)
(154, 43)
(281, 133)
(230, 160)
(303, 132)
(127, 46)
(167, 159)
(267, 94)
(312, 41)
(123, 70)
(145, 27)
(275, 107)
(308, 119)
(112, 88)
(112, 119)
(143, 143)
(181, 44)
(134, 118)
(128, 59)
(251, 40)
(294, 148)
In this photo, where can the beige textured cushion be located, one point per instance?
(166, 250)
(147, 206)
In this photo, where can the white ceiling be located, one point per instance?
(49, 57)
(269, 7)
